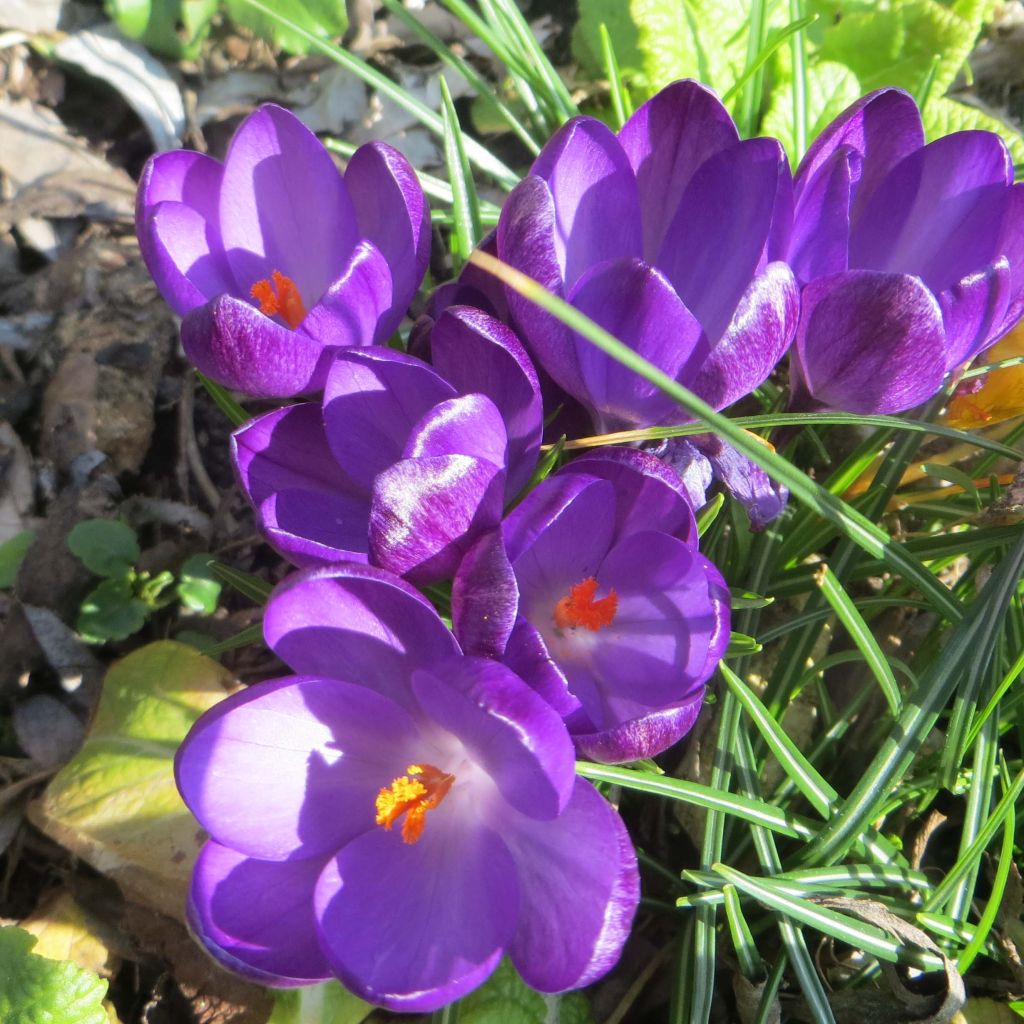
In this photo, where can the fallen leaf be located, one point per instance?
(138, 77)
(65, 932)
(115, 805)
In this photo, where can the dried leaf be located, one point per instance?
(115, 804)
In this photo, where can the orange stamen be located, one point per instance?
(578, 607)
(412, 797)
(280, 298)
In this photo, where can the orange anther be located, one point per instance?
(280, 298)
(578, 607)
(412, 797)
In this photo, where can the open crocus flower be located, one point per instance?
(397, 815)
(595, 593)
(274, 259)
(403, 464)
(911, 256)
(666, 235)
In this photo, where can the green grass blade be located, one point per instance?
(622, 107)
(742, 939)
(965, 652)
(747, 78)
(993, 703)
(798, 59)
(862, 636)
(988, 916)
(830, 922)
(752, 811)
(482, 158)
(465, 208)
(748, 107)
(857, 527)
(466, 70)
(224, 400)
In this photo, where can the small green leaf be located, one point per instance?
(34, 989)
(198, 589)
(12, 554)
(322, 18)
(107, 547)
(172, 28)
(329, 1003)
(111, 612)
(741, 645)
(506, 999)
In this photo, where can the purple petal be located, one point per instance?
(666, 141)
(183, 254)
(558, 537)
(648, 494)
(353, 311)
(290, 767)
(762, 498)
(527, 656)
(372, 401)
(635, 739)
(284, 206)
(870, 342)
(584, 865)
(304, 504)
(314, 528)
(478, 354)
(526, 241)
(821, 227)
(485, 598)
(393, 214)
(360, 619)
(509, 731)
(427, 511)
(589, 176)
(467, 425)
(657, 652)
(285, 449)
(177, 223)
(638, 306)
(256, 917)
(719, 231)
(939, 213)
(692, 465)
(973, 311)
(237, 346)
(757, 337)
(882, 128)
(414, 926)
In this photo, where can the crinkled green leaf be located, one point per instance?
(506, 999)
(329, 1003)
(115, 804)
(12, 554)
(831, 88)
(658, 41)
(111, 612)
(35, 990)
(198, 589)
(172, 28)
(323, 18)
(943, 116)
(896, 43)
(107, 547)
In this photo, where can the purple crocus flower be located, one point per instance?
(668, 236)
(395, 814)
(911, 256)
(403, 464)
(595, 593)
(274, 259)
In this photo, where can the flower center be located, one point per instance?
(278, 296)
(578, 607)
(413, 794)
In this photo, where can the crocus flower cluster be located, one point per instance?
(403, 810)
